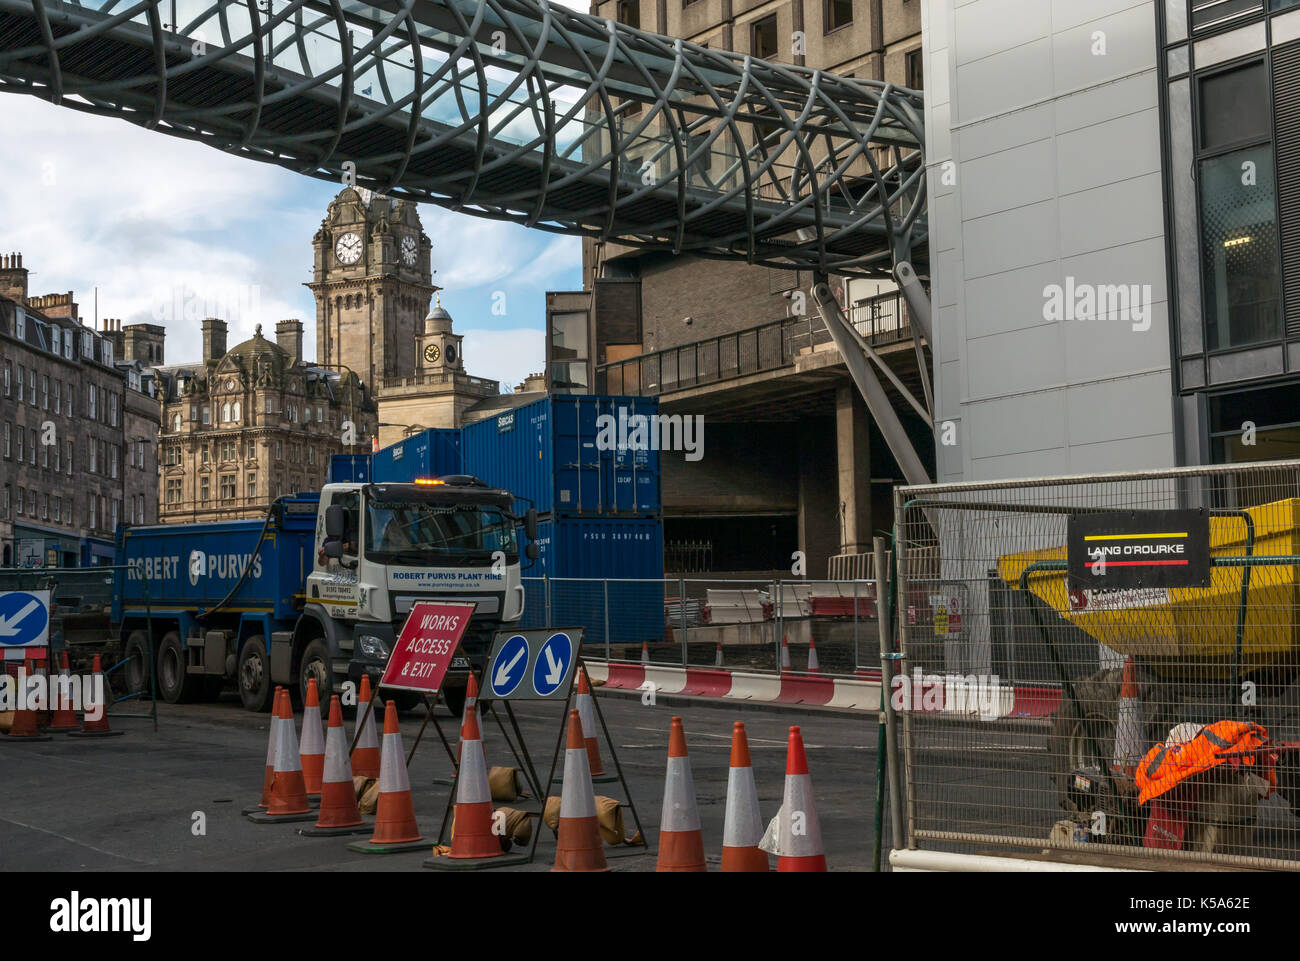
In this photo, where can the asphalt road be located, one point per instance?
(129, 803)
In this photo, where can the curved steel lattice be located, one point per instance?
(512, 109)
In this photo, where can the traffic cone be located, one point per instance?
(578, 845)
(65, 714)
(395, 812)
(365, 756)
(1129, 744)
(742, 828)
(43, 709)
(717, 657)
(96, 728)
(25, 726)
(645, 653)
(471, 704)
(268, 777)
(785, 653)
(681, 843)
(312, 752)
(800, 851)
(288, 800)
(813, 666)
(471, 833)
(588, 716)
(338, 799)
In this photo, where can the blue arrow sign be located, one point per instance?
(552, 664)
(24, 619)
(510, 666)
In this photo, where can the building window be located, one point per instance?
(112, 410)
(45, 392)
(1239, 249)
(31, 447)
(45, 456)
(8, 445)
(90, 402)
(19, 448)
(252, 486)
(227, 487)
(58, 396)
(94, 455)
(762, 37)
(139, 508)
(206, 415)
(117, 513)
(112, 461)
(45, 507)
(205, 490)
(68, 402)
(68, 448)
(7, 375)
(839, 13)
(279, 450)
(18, 506)
(914, 64)
(225, 413)
(228, 450)
(1213, 13)
(1234, 106)
(58, 458)
(203, 454)
(234, 412)
(22, 374)
(56, 334)
(173, 490)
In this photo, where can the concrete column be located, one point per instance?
(853, 455)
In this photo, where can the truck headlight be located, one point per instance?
(372, 646)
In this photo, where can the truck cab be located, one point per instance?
(380, 548)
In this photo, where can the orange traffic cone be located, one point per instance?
(813, 666)
(25, 726)
(312, 752)
(96, 701)
(365, 756)
(288, 800)
(471, 705)
(268, 778)
(645, 653)
(471, 834)
(717, 657)
(395, 813)
(798, 850)
(65, 714)
(681, 843)
(578, 845)
(785, 653)
(1130, 747)
(338, 799)
(587, 713)
(742, 829)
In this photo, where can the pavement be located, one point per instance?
(137, 802)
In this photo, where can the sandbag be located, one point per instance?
(368, 801)
(609, 818)
(518, 825)
(552, 813)
(505, 784)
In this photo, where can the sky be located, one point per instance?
(160, 227)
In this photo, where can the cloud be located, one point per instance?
(505, 355)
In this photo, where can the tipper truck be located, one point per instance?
(318, 589)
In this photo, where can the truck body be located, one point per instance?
(320, 588)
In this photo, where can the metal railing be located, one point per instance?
(1124, 724)
(748, 625)
(767, 347)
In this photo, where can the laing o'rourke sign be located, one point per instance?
(1139, 549)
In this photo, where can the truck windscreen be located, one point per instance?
(416, 532)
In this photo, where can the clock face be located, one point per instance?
(432, 353)
(409, 250)
(348, 249)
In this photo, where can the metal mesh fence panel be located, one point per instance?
(1041, 711)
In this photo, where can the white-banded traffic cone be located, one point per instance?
(339, 813)
(578, 845)
(742, 828)
(25, 726)
(1130, 746)
(645, 653)
(471, 704)
(471, 832)
(798, 850)
(365, 756)
(813, 666)
(681, 842)
(395, 811)
(785, 653)
(288, 801)
(268, 778)
(65, 715)
(312, 751)
(587, 714)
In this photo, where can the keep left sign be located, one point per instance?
(25, 619)
(425, 647)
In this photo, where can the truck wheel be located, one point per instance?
(174, 684)
(136, 671)
(454, 698)
(316, 663)
(254, 673)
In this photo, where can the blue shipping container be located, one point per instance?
(348, 469)
(570, 454)
(601, 570)
(431, 453)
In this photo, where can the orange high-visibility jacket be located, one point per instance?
(1167, 765)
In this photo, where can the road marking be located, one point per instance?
(762, 747)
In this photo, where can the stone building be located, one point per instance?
(64, 415)
(139, 348)
(372, 280)
(246, 425)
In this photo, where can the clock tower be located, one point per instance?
(439, 348)
(372, 282)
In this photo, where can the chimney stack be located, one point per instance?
(13, 278)
(288, 334)
(214, 339)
